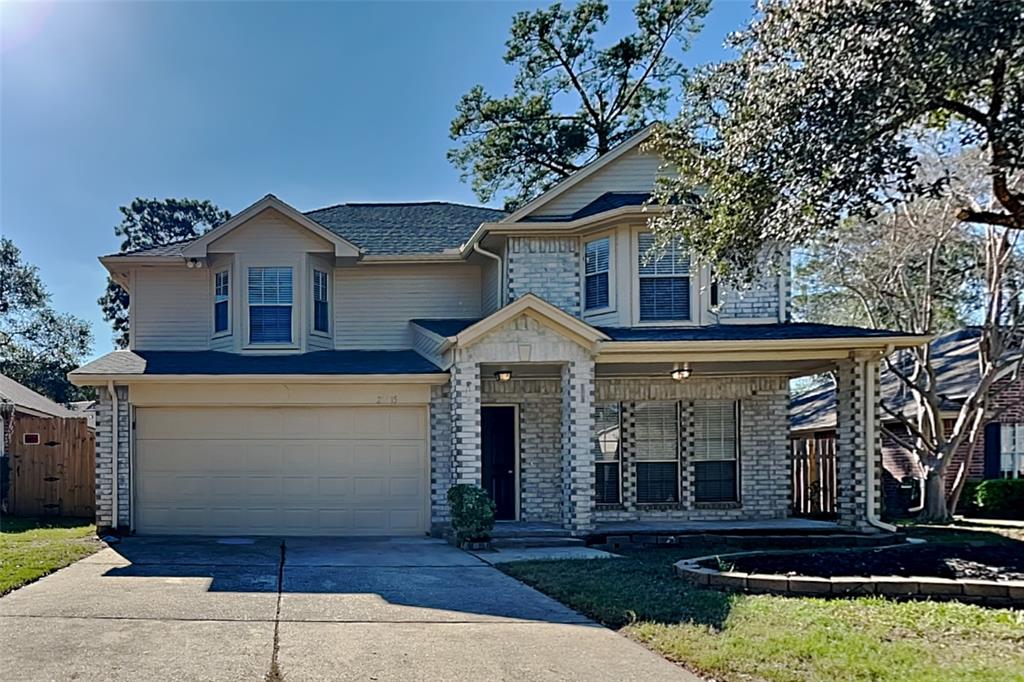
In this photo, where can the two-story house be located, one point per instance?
(335, 372)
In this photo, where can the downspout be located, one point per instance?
(874, 450)
(115, 427)
(501, 272)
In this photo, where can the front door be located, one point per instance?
(498, 429)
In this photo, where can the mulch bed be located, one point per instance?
(992, 562)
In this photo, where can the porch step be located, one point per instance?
(535, 541)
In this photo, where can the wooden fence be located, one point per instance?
(814, 479)
(55, 476)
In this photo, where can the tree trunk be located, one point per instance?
(935, 509)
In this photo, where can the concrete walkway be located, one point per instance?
(326, 609)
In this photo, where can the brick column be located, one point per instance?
(577, 455)
(465, 422)
(855, 403)
(105, 460)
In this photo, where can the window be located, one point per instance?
(664, 282)
(657, 453)
(715, 450)
(221, 304)
(1011, 461)
(320, 305)
(595, 277)
(270, 305)
(607, 456)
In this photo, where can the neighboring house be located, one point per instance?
(50, 451)
(86, 409)
(999, 452)
(337, 371)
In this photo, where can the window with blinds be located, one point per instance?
(221, 305)
(715, 450)
(270, 305)
(657, 452)
(664, 281)
(321, 307)
(1011, 445)
(607, 452)
(596, 271)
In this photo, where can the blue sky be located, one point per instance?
(318, 103)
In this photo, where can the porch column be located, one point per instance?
(465, 410)
(857, 440)
(577, 454)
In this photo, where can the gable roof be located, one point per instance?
(582, 174)
(384, 229)
(28, 400)
(537, 308)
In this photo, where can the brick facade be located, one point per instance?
(105, 460)
(857, 403)
(548, 267)
(758, 300)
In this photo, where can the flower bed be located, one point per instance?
(988, 574)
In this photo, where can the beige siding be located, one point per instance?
(634, 172)
(374, 303)
(270, 233)
(171, 308)
(490, 283)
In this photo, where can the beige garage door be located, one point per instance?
(292, 471)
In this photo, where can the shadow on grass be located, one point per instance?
(966, 534)
(21, 524)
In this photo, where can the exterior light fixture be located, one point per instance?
(680, 373)
(503, 375)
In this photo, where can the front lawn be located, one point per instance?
(739, 636)
(33, 547)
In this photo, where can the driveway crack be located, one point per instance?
(275, 674)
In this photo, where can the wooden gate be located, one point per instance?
(53, 471)
(814, 479)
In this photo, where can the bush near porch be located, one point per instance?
(33, 547)
(787, 639)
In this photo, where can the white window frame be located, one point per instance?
(295, 306)
(1011, 446)
(698, 456)
(699, 295)
(314, 270)
(216, 299)
(587, 312)
(618, 455)
(638, 460)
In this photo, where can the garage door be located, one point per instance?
(293, 471)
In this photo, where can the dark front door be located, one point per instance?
(498, 429)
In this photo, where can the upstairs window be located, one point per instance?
(657, 453)
(221, 302)
(596, 269)
(664, 282)
(607, 452)
(321, 308)
(270, 305)
(715, 450)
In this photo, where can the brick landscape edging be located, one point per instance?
(991, 592)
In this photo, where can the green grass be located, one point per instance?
(31, 548)
(784, 639)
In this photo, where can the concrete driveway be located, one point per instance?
(187, 608)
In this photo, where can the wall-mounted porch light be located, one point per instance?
(680, 373)
(503, 375)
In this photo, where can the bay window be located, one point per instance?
(657, 452)
(270, 305)
(607, 452)
(321, 307)
(597, 266)
(221, 302)
(664, 282)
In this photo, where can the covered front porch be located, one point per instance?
(568, 427)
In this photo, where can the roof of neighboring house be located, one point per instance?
(385, 229)
(28, 400)
(954, 358)
(208, 362)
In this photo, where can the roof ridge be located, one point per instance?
(432, 202)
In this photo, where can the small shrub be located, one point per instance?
(472, 512)
(1001, 497)
(968, 503)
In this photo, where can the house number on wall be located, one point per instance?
(387, 399)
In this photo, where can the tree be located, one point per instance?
(917, 268)
(571, 101)
(820, 119)
(38, 346)
(147, 223)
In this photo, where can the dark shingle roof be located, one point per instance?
(954, 357)
(386, 229)
(399, 229)
(606, 202)
(153, 362)
(445, 327)
(744, 332)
